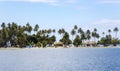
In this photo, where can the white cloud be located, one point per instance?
(108, 21)
(42, 1)
(109, 1)
(51, 2)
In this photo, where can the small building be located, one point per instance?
(58, 44)
(90, 43)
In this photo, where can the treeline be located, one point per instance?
(23, 36)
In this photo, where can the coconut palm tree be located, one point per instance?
(82, 34)
(28, 28)
(97, 36)
(73, 32)
(36, 28)
(63, 31)
(94, 34)
(49, 31)
(60, 32)
(80, 31)
(65, 39)
(109, 31)
(75, 27)
(95, 30)
(88, 34)
(116, 30)
(103, 34)
(54, 31)
(3, 25)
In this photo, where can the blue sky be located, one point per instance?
(87, 14)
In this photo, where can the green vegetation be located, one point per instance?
(15, 35)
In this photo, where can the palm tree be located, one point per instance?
(28, 28)
(54, 31)
(95, 30)
(65, 39)
(4, 34)
(49, 31)
(60, 32)
(80, 31)
(103, 34)
(73, 32)
(82, 34)
(3, 25)
(44, 32)
(88, 34)
(75, 27)
(36, 28)
(94, 34)
(63, 31)
(109, 31)
(116, 30)
(97, 35)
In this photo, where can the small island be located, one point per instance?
(22, 36)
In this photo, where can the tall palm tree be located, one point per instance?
(80, 31)
(3, 25)
(82, 34)
(109, 31)
(14, 28)
(75, 27)
(63, 31)
(103, 34)
(94, 34)
(88, 34)
(116, 30)
(4, 35)
(53, 31)
(28, 28)
(97, 35)
(95, 30)
(73, 32)
(60, 32)
(49, 31)
(36, 28)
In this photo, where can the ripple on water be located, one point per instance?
(73, 59)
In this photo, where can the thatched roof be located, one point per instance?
(57, 43)
(89, 42)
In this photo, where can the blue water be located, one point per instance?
(66, 59)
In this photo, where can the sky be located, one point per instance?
(87, 14)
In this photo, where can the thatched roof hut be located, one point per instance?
(90, 43)
(58, 44)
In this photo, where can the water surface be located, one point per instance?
(66, 59)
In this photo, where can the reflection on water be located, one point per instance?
(70, 59)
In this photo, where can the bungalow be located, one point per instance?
(89, 43)
(58, 44)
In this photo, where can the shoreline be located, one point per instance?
(16, 48)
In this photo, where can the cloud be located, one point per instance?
(109, 1)
(40, 1)
(108, 21)
(51, 2)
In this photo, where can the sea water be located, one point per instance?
(60, 59)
